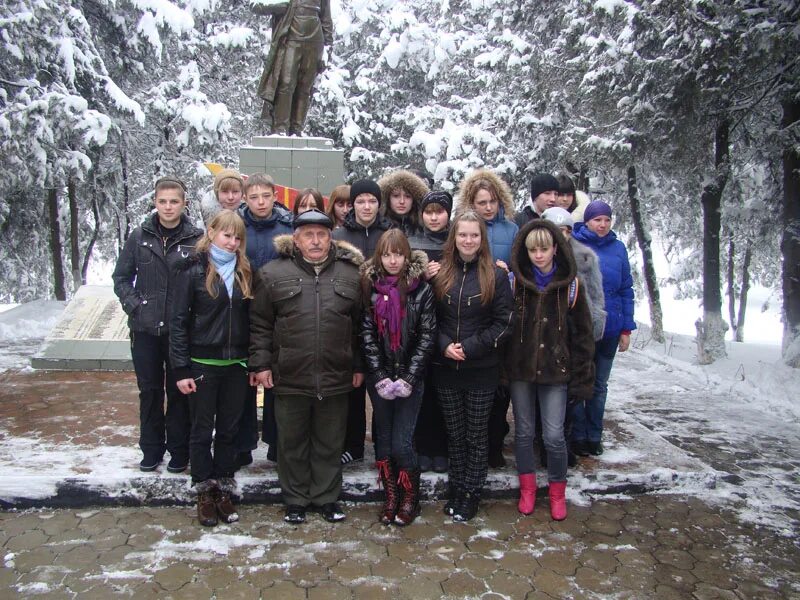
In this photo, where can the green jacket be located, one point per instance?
(304, 326)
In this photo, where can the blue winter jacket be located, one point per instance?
(261, 233)
(501, 236)
(617, 280)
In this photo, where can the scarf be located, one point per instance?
(389, 312)
(225, 263)
(542, 279)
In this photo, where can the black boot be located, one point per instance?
(454, 494)
(468, 507)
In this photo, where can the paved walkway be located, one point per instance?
(645, 547)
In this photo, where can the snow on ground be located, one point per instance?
(23, 329)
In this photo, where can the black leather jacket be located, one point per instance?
(418, 338)
(144, 270)
(202, 326)
(481, 330)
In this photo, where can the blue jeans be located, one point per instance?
(587, 417)
(553, 404)
(395, 421)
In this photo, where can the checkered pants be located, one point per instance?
(466, 417)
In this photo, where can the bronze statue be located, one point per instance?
(300, 31)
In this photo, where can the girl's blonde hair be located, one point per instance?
(227, 221)
(539, 238)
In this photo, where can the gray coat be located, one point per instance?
(592, 281)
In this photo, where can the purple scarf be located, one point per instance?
(389, 312)
(542, 279)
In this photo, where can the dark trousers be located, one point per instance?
(310, 436)
(247, 436)
(466, 416)
(498, 419)
(216, 408)
(394, 422)
(430, 436)
(269, 426)
(356, 421)
(154, 376)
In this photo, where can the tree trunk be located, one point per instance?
(711, 336)
(55, 245)
(790, 244)
(645, 242)
(738, 330)
(74, 237)
(732, 283)
(126, 193)
(95, 232)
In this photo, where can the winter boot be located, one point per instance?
(206, 509)
(388, 477)
(454, 494)
(558, 501)
(527, 493)
(408, 480)
(468, 506)
(222, 500)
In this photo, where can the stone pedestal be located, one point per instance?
(295, 162)
(91, 335)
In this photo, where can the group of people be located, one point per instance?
(441, 317)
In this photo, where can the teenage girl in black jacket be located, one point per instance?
(474, 310)
(209, 345)
(398, 332)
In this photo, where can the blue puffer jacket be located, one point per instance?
(617, 280)
(261, 233)
(501, 236)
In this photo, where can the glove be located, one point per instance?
(385, 389)
(402, 389)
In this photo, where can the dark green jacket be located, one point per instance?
(303, 326)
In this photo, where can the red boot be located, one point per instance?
(527, 493)
(558, 501)
(388, 477)
(408, 480)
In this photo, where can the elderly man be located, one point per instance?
(304, 342)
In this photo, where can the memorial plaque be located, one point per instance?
(91, 335)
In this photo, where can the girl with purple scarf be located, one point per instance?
(398, 335)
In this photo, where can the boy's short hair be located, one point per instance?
(170, 182)
(258, 180)
(539, 237)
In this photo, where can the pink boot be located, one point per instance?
(558, 503)
(527, 493)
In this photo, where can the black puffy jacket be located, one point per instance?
(418, 338)
(202, 326)
(144, 270)
(481, 330)
(363, 238)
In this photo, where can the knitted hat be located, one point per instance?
(312, 217)
(543, 182)
(559, 216)
(365, 186)
(596, 209)
(442, 198)
(227, 174)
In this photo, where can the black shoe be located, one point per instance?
(245, 458)
(455, 494)
(440, 464)
(594, 448)
(348, 457)
(496, 459)
(295, 514)
(272, 453)
(332, 512)
(177, 465)
(468, 507)
(150, 463)
(425, 463)
(580, 448)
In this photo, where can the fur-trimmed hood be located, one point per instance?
(521, 262)
(416, 266)
(469, 187)
(284, 244)
(402, 178)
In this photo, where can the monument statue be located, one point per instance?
(300, 31)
